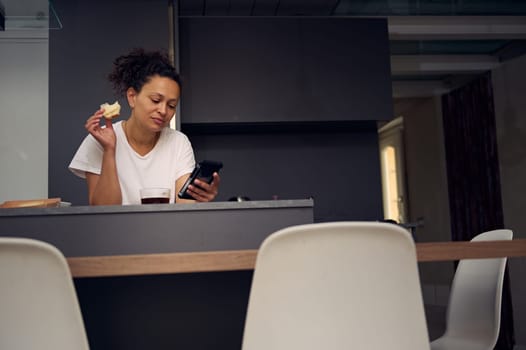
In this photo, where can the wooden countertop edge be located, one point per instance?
(148, 264)
(452, 251)
(232, 260)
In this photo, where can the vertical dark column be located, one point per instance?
(173, 23)
(473, 175)
(472, 160)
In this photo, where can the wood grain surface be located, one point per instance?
(231, 260)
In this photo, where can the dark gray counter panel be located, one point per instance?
(162, 228)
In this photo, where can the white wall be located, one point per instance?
(509, 86)
(428, 198)
(427, 179)
(24, 115)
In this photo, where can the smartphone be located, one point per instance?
(203, 171)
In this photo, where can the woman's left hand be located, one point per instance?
(204, 192)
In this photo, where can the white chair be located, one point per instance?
(341, 285)
(38, 303)
(473, 315)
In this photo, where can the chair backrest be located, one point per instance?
(476, 294)
(341, 285)
(38, 304)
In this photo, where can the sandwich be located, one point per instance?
(111, 111)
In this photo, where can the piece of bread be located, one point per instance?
(111, 111)
(32, 203)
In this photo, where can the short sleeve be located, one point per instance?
(185, 159)
(88, 158)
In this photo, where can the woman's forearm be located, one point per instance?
(107, 190)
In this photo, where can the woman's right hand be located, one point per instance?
(105, 136)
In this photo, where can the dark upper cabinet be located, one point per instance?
(284, 69)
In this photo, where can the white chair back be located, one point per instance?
(38, 303)
(473, 316)
(341, 285)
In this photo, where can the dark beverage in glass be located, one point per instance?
(155, 195)
(155, 200)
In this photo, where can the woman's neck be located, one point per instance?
(140, 141)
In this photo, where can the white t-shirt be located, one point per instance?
(171, 158)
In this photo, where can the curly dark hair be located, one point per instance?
(138, 67)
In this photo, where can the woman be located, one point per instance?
(117, 160)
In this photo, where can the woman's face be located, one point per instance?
(154, 106)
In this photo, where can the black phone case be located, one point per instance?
(204, 171)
